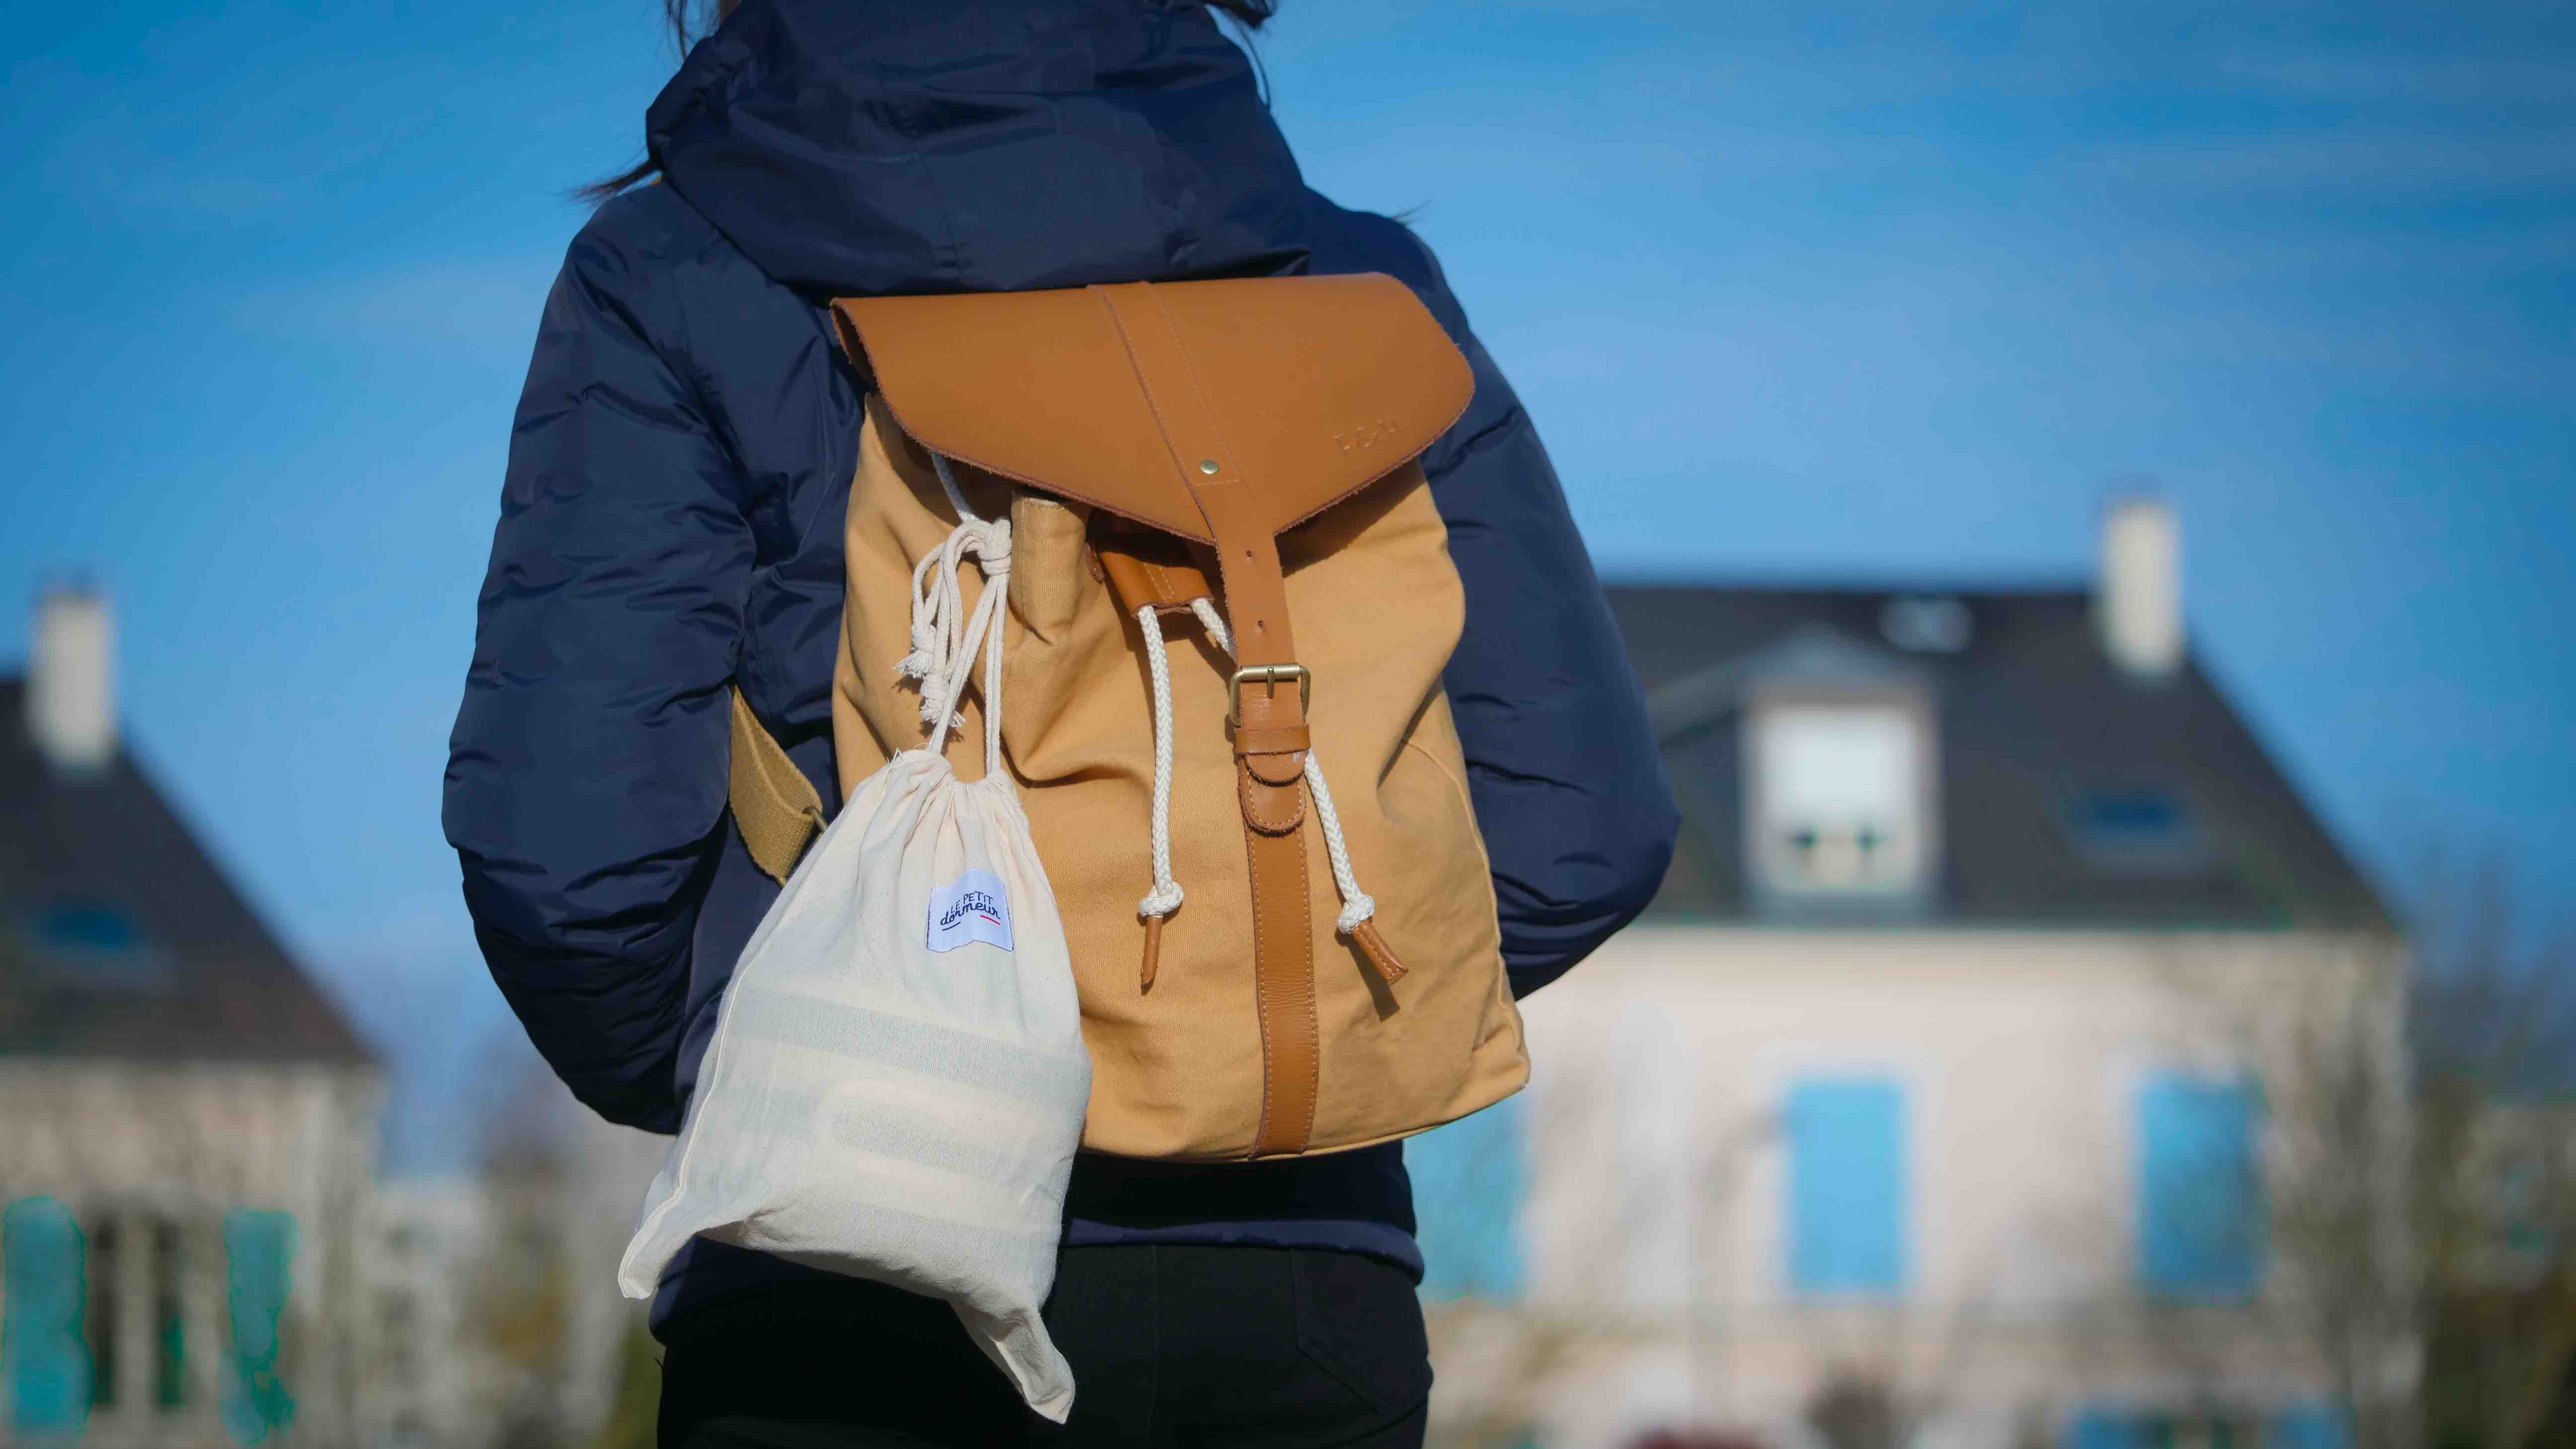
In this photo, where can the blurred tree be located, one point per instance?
(2341, 1220)
(637, 1403)
(518, 1312)
(562, 1360)
(2493, 1025)
(2422, 1173)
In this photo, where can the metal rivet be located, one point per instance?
(1207, 465)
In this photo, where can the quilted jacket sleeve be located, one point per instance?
(1569, 787)
(585, 787)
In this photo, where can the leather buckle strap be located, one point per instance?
(1269, 675)
(1242, 524)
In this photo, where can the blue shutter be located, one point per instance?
(2100, 1428)
(1468, 1181)
(44, 1286)
(2310, 1426)
(259, 1254)
(1847, 1187)
(2200, 1192)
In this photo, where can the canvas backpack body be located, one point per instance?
(1230, 604)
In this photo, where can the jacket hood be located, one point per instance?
(893, 146)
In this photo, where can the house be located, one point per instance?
(1978, 1076)
(188, 1128)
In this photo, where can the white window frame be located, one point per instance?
(1765, 878)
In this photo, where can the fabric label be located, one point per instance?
(973, 907)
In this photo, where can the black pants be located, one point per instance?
(1172, 1348)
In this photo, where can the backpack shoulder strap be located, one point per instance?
(774, 805)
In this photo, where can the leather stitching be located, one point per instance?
(1306, 995)
(1300, 968)
(1248, 790)
(1190, 370)
(1224, 449)
(1162, 418)
(1170, 596)
(1260, 994)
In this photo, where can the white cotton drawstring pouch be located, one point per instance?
(897, 1081)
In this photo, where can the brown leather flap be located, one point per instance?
(1128, 397)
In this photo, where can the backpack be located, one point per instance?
(1230, 604)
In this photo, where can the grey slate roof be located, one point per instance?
(2041, 738)
(121, 939)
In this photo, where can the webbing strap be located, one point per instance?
(774, 805)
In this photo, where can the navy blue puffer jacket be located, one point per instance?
(682, 455)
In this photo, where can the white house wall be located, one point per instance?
(2019, 1054)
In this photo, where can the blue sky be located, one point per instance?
(1868, 294)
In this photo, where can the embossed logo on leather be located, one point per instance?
(1365, 436)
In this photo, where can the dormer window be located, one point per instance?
(2137, 827)
(87, 927)
(1841, 798)
(92, 943)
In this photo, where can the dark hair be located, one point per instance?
(683, 18)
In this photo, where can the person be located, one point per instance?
(671, 527)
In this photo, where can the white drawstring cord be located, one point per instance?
(948, 485)
(944, 644)
(1165, 897)
(1357, 906)
(944, 638)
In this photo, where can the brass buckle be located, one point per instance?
(1268, 675)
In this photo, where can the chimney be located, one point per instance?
(71, 681)
(2137, 604)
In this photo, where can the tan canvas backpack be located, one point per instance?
(1258, 833)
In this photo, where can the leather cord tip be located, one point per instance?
(1153, 952)
(1373, 946)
